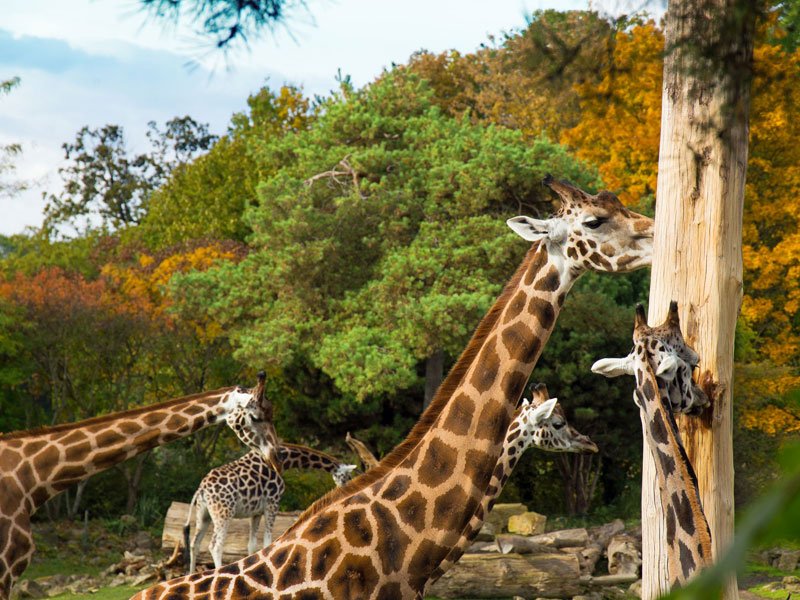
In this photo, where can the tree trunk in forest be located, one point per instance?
(434, 374)
(697, 257)
(72, 508)
(133, 479)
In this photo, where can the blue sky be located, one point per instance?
(85, 62)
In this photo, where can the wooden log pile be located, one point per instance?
(557, 564)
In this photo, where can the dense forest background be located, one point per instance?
(350, 243)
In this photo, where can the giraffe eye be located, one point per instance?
(558, 425)
(594, 223)
(257, 420)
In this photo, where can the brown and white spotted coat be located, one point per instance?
(36, 465)
(541, 424)
(248, 488)
(657, 356)
(384, 534)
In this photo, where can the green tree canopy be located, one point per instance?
(379, 237)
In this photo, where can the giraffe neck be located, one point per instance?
(518, 439)
(302, 457)
(688, 533)
(37, 465)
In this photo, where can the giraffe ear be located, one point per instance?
(668, 367)
(348, 468)
(543, 411)
(614, 367)
(525, 402)
(529, 229)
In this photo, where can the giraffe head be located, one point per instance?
(542, 421)
(251, 420)
(674, 360)
(590, 232)
(342, 474)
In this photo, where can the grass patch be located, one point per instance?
(72, 564)
(122, 592)
(761, 590)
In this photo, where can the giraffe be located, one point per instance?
(366, 457)
(384, 533)
(38, 464)
(660, 354)
(248, 488)
(540, 423)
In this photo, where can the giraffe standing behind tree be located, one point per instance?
(662, 362)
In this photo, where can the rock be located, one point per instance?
(143, 541)
(498, 517)
(486, 534)
(527, 523)
(118, 581)
(28, 588)
(635, 589)
(791, 584)
(57, 590)
(788, 560)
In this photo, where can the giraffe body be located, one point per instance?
(249, 487)
(36, 465)
(656, 361)
(385, 533)
(541, 424)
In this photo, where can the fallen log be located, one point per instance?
(235, 541)
(506, 575)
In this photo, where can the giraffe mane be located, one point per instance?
(437, 405)
(12, 435)
(310, 450)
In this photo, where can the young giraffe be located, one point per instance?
(36, 465)
(248, 488)
(383, 534)
(540, 423)
(659, 354)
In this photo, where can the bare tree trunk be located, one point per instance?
(72, 509)
(697, 258)
(434, 373)
(133, 478)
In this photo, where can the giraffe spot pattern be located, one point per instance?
(279, 557)
(293, 572)
(360, 498)
(109, 438)
(658, 428)
(412, 510)
(427, 557)
(397, 488)
(356, 578)
(688, 565)
(514, 382)
(321, 526)
(323, 557)
(649, 391)
(539, 260)
(478, 467)
(438, 464)
(683, 510)
(77, 452)
(550, 282)
(389, 591)
(452, 510)
(357, 529)
(543, 311)
(670, 519)
(516, 306)
(494, 420)
(598, 260)
(261, 574)
(392, 542)
(667, 462)
(487, 367)
(74, 437)
(459, 414)
(515, 339)
(45, 461)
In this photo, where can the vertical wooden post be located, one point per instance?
(697, 258)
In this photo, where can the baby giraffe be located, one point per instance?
(248, 488)
(662, 363)
(540, 423)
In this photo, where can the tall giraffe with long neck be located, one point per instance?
(383, 534)
(36, 465)
(540, 423)
(662, 362)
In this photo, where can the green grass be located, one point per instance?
(122, 592)
(760, 590)
(71, 564)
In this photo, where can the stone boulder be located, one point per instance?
(498, 517)
(527, 523)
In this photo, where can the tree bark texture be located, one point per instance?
(697, 255)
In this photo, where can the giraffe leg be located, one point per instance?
(202, 522)
(252, 543)
(221, 517)
(270, 511)
(16, 549)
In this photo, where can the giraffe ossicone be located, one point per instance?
(384, 534)
(38, 464)
(662, 363)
